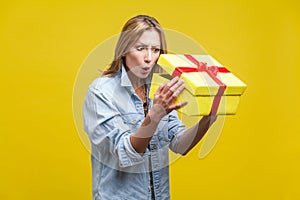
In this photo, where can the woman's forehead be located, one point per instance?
(150, 38)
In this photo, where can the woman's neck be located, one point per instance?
(135, 81)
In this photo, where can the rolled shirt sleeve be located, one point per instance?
(176, 129)
(107, 130)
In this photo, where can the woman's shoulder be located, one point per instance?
(104, 83)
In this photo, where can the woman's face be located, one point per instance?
(143, 55)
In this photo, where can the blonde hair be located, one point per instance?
(131, 32)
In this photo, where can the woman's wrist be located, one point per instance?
(156, 113)
(208, 120)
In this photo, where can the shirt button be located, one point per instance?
(157, 187)
(154, 147)
(134, 121)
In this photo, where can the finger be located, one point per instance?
(169, 92)
(171, 83)
(160, 89)
(178, 91)
(179, 85)
(179, 105)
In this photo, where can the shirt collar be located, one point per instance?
(125, 81)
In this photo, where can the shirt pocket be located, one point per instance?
(132, 120)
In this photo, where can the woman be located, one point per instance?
(130, 134)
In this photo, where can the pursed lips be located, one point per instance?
(146, 68)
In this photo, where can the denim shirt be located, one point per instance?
(112, 112)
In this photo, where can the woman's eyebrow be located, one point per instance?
(143, 44)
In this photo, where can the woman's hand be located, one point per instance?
(164, 98)
(209, 119)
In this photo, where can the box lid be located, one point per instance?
(199, 81)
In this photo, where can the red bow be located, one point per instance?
(212, 71)
(201, 67)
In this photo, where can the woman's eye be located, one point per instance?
(156, 50)
(140, 48)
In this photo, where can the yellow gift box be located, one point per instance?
(209, 88)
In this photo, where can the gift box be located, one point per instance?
(210, 88)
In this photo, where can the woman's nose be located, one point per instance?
(148, 56)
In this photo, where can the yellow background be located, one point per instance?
(43, 44)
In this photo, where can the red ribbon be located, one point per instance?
(211, 71)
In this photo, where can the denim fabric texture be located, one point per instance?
(112, 112)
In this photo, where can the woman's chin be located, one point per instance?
(144, 75)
